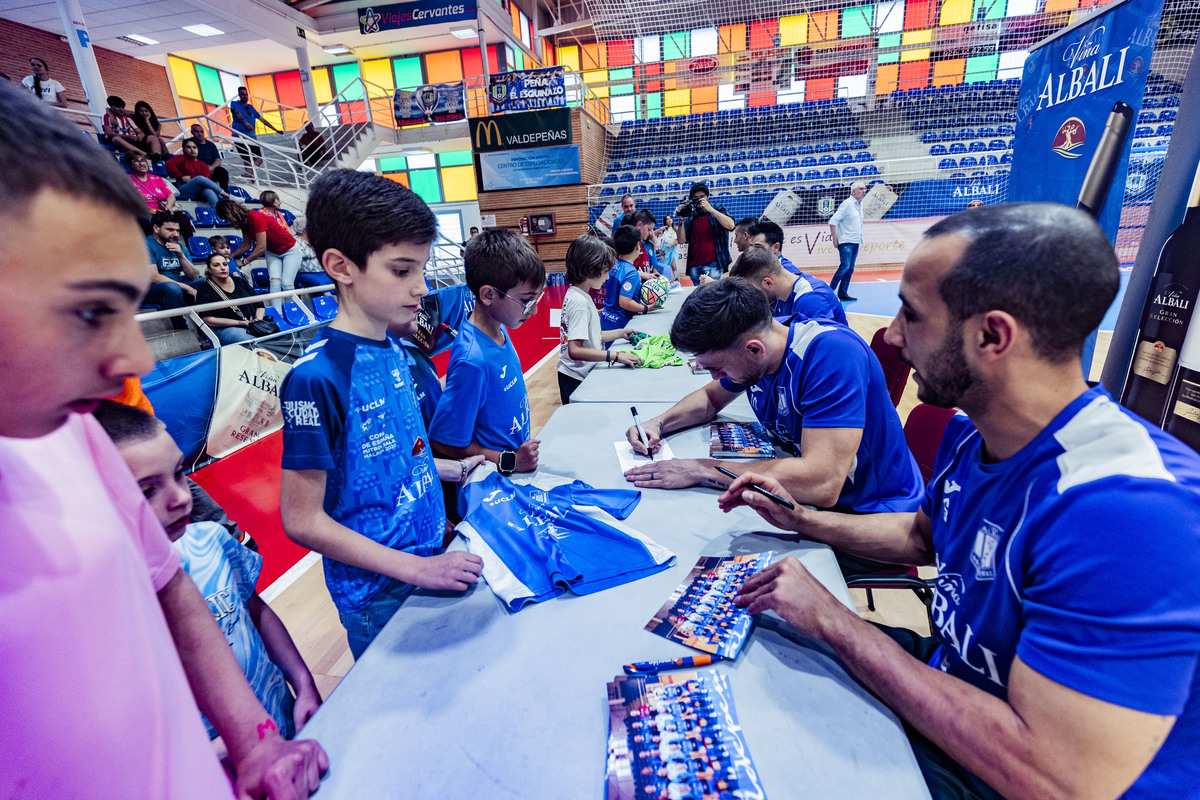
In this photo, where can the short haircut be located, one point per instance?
(717, 315)
(769, 229)
(268, 197)
(502, 259)
(162, 218)
(755, 263)
(643, 216)
(208, 259)
(182, 142)
(587, 259)
(746, 222)
(127, 424)
(631, 197)
(58, 158)
(115, 102)
(359, 213)
(858, 185)
(626, 239)
(1049, 265)
(213, 241)
(700, 186)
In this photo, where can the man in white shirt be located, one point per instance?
(846, 226)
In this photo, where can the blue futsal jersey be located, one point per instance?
(830, 379)
(426, 387)
(623, 281)
(1079, 554)
(811, 298)
(349, 410)
(485, 399)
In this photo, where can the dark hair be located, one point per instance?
(234, 213)
(58, 158)
(150, 127)
(115, 102)
(587, 259)
(608, 240)
(756, 262)
(627, 194)
(213, 241)
(127, 424)
(188, 140)
(37, 82)
(769, 229)
(268, 197)
(643, 215)
(502, 259)
(746, 222)
(626, 240)
(702, 186)
(717, 315)
(1049, 265)
(359, 213)
(162, 218)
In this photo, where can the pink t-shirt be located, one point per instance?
(153, 188)
(94, 699)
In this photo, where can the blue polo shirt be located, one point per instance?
(166, 262)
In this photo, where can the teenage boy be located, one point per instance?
(359, 480)
(108, 647)
(177, 278)
(119, 130)
(623, 289)
(789, 294)
(485, 408)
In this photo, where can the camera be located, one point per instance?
(689, 208)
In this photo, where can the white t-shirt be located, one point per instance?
(580, 322)
(51, 88)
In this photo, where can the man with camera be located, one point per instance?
(705, 230)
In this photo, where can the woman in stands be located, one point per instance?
(229, 324)
(147, 122)
(193, 177)
(264, 234)
(42, 85)
(158, 193)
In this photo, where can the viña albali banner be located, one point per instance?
(435, 102)
(526, 90)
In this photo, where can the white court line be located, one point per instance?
(291, 576)
(552, 354)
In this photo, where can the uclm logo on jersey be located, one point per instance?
(1070, 137)
(418, 446)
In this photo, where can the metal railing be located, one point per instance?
(193, 312)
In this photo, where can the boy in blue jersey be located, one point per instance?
(802, 295)
(1046, 678)
(484, 410)
(815, 385)
(224, 570)
(623, 289)
(359, 479)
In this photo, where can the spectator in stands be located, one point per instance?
(119, 129)
(309, 263)
(846, 228)
(789, 294)
(313, 151)
(1045, 678)
(147, 122)
(243, 115)
(108, 648)
(705, 230)
(229, 324)
(176, 280)
(210, 155)
(741, 233)
(628, 204)
(158, 194)
(264, 234)
(192, 176)
(474, 232)
(42, 86)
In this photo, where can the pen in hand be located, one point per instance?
(641, 431)
(785, 503)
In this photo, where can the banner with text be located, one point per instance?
(519, 131)
(527, 90)
(529, 169)
(436, 102)
(394, 16)
(885, 243)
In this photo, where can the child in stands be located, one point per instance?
(623, 290)
(220, 247)
(224, 571)
(589, 260)
(485, 408)
(359, 478)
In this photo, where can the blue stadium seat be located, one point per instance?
(966, 133)
(850, 172)
(260, 279)
(947, 163)
(241, 195)
(845, 158)
(288, 216)
(986, 133)
(957, 175)
(858, 144)
(722, 183)
(674, 161)
(976, 147)
(306, 280)
(937, 150)
(833, 173)
(235, 241)
(992, 161)
(626, 177)
(838, 185)
(1167, 115)
(774, 163)
(869, 169)
(204, 217)
(822, 147)
(759, 178)
(689, 172)
(740, 168)
(1004, 130)
(772, 152)
(655, 188)
(741, 180)
(804, 149)
(1147, 116)
(812, 175)
(607, 191)
(791, 163)
(997, 144)
(1165, 130)
(722, 169)
(642, 176)
(753, 154)
(658, 175)
(929, 136)
(968, 161)
(639, 189)
(614, 166)
(674, 186)
(863, 157)
(706, 170)
(777, 177)
(705, 158)
(839, 145)
(817, 187)
(611, 178)
(957, 148)
(757, 166)
(947, 136)
(722, 156)
(277, 315)
(787, 150)
(737, 155)
(808, 161)
(826, 160)
(1143, 132)
(1170, 102)
(674, 173)
(658, 163)
(643, 164)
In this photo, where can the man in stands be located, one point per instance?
(628, 204)
(243, 115)
(705, 230)
(209, 154)
(1065, 530)
(846, 227)
(176, 278)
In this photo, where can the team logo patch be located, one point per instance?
(418, 446)
(1070, 137)
(983, 553)
(826, 206)
(628, 285)
(781, 402)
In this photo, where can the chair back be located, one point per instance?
(261, 278)
(295, 315)
(205, 217)
(325, 307)
(923, 431)
(198, 247)
(895, 371)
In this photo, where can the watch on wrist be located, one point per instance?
(508, 462)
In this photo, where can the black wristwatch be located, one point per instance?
(508, 462)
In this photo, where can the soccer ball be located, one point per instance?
(654, 292)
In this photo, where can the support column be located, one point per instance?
(483, 57)
(85, 56)
(306, 82)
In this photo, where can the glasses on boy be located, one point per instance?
(527, 307)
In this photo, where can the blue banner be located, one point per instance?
(394, 16)
(942, 197)
(527, 90)
(435, 102)
(529, 169)
(1072, 85)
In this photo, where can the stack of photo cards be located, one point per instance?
(739, 440)
(676, 736)
(701, 614)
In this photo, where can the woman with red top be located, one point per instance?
(158, 193)
(193, 177)
(264, 234)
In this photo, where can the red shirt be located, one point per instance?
(642, 261)
(279, 238)
(181, 168)
(701, 249)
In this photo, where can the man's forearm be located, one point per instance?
(694, 409)
(891, 538)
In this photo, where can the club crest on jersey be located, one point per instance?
(1070, 137)
(781, 401)
(983, 553)
(418, 446)
(627, 285)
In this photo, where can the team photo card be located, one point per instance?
(676, 737)
(739, 440)
(701, 614)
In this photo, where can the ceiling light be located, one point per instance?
(465, 33)
(137, 38)
(203, 30)
(337, 50)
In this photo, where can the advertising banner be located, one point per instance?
(885, 243)
(394, 16)
(529, 169)
(527, 90)
(435, 102)
(247, 407)
(519, 131)
(947, 196)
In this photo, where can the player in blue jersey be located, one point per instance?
(766, 232)
(802, 295)
(816, 387)
(623, 289)
(359, 478)
(1065, 530)
(485, 408)
(809, 295)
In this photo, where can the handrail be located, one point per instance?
(168, 313)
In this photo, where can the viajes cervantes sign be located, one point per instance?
(520, 131)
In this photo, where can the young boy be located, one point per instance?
(220, 247)
(224, 571)
(359, 480)
(485, 408)
(100, 625)
(589, 260)
(623, 290)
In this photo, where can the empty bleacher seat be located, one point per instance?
(968, 161)
(822, 147)
(997, 144)
(741, 180)
(863, 157)
(204, 217)
(937, 150)
(869, 169)
(812, 175)
(929, 136)
(260, 279)
(791, 163)
(1165, 130)
(759, 178)
(1167, 115)
(198, 247)
(607, 191)
(235, 241)
(808, 161)
(642, 176)
(639, 189)
(722, 183)
(690, 172)
(947, 163)
(757, 166)
(722, 169)
(957, 148)
(804, 149)
(826, 160)
(706, 170)
(655, 188)
(850, 172)
(976, 147)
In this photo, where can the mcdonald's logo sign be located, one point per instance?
(520, 131)
(485, 129)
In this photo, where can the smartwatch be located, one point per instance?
(508, 462)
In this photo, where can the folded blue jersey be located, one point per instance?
(538, 543)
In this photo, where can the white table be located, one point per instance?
(459, 698)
